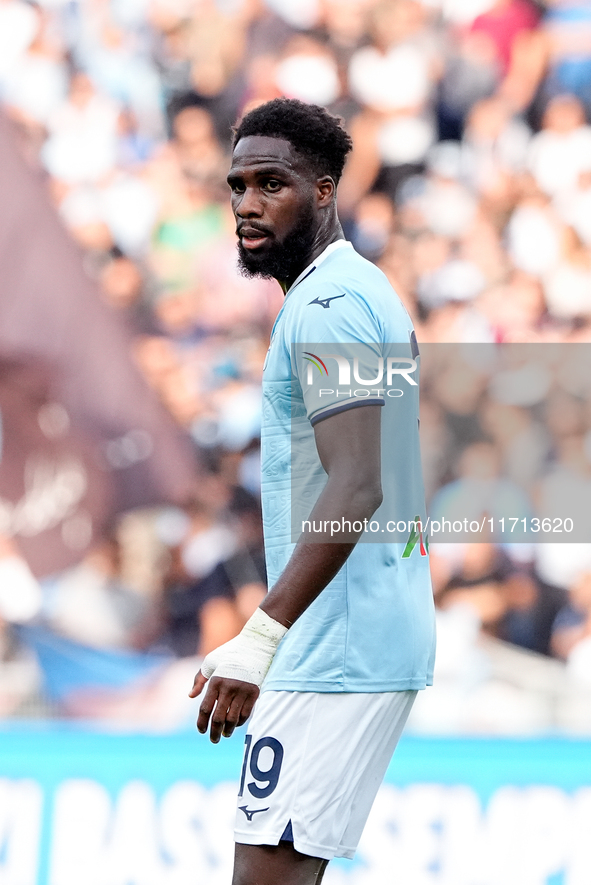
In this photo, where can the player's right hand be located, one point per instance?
(227, 703)
(238, 668)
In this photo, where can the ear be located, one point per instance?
(325, 191)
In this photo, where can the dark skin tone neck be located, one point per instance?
(322, 239)
(273, 187)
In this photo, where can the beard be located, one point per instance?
(281, 261)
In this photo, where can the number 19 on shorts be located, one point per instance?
(266, 778)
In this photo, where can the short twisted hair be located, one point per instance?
(309, 128)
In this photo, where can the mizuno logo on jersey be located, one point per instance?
(325, 302)
(250, 812)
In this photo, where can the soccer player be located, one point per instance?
(345, 636)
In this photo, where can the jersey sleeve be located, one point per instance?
(337, 352)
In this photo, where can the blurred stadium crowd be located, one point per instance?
(469, 185)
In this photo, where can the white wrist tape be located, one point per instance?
(248, 656)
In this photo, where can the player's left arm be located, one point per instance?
(348, 445)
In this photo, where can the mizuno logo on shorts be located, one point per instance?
(249, 812)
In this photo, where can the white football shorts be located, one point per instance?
(313, 763)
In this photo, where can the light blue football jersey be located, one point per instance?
(372, 628)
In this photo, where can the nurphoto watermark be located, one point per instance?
(502, 434)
